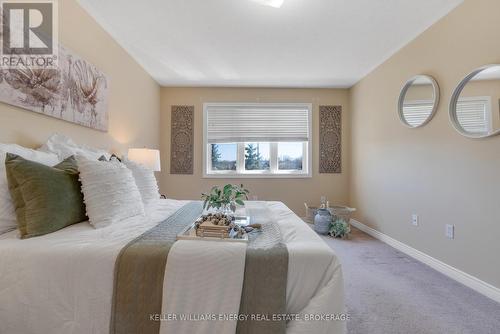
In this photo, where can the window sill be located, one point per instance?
(257, 176)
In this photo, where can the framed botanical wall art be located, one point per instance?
(76, 91)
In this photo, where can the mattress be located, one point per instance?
(62, 283)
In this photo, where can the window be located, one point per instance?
(290, 156)
(223, 156)
(257, 140)
(474, 114)
(257, 156)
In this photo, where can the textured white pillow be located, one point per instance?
(7, 210)
(109, 192)
(64, 147)
(146, 182)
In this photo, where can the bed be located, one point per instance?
(62, 283)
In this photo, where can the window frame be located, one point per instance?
(273, 171)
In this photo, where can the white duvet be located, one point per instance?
(62, 283)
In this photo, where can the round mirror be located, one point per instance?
(418, 101)
(474, 106)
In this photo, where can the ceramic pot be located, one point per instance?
(322, 221)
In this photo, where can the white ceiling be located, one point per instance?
(304, 43)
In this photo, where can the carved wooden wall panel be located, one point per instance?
(330, 139)
(182, 140)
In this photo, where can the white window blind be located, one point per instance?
(417, 112)
(473, 114)
(257, 122)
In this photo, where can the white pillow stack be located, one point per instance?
(7, 210)
(146, 182)
(112, 191)
(65, 147)
(109, 191)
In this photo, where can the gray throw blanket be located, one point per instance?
(140, 268)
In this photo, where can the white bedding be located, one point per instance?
(201, 278)
(62, 283)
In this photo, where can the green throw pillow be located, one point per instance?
(46, 199)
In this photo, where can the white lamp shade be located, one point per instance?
(146, 157)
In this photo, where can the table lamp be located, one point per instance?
(146, 157)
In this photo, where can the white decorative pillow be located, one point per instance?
(7, 210)
(146, 182)
(64, 147)
(109, 192)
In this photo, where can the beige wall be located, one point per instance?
(293, 192)
(431, 171)
(134, 98)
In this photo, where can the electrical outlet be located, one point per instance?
(450, 231)
(414, 220)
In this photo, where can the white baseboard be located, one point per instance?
(468, 280)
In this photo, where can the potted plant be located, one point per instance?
(339, 229)
(225, 199)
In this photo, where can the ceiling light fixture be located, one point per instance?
(270, 3)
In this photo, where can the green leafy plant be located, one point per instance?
(339, 229)
(229, 195)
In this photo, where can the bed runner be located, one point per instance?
(140, 269)
(266, 270)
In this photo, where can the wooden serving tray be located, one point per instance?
(189, 233)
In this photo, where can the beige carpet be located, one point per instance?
(388, 292)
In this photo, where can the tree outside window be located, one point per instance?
(257, 156)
